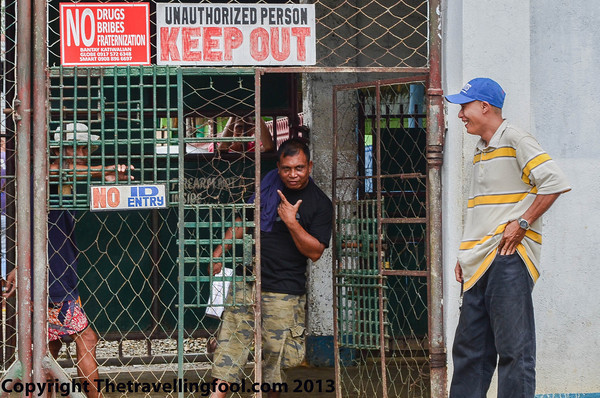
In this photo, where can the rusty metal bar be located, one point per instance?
(333, 69)
(334, 259)
(384, 82)
(257, 265)
(415, 220)
(435, 145)
(58, 373)
(23, 176)
(404, 273)
(403, 176)
(380, 243)
(165, 359)
(181, 230)
(155, 272)
(40, 170)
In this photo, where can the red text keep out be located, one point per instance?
(215, 44)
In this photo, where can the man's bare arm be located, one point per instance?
(514, 234)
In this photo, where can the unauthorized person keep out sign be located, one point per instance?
(107, 34)
(97, 34)
(235, 34)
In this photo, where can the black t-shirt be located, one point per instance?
(283, 267)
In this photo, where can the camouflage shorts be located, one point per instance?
(283, 317)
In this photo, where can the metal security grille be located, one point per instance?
(145, 274)
(372, 33)
(350, 33)
(380, 265)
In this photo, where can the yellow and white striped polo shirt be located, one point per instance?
(507, 176)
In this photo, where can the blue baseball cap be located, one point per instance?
(479, 89)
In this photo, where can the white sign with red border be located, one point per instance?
(235, 34)
(104, 34)
(127, 197)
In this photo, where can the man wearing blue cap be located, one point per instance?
(513, 183)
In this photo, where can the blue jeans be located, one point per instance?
(496, 325)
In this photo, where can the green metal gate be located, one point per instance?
(380, 264)
(144, 274)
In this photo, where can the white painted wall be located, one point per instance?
(545, 54)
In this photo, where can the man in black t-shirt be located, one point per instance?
(296, 218)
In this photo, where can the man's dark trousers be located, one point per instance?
(496, 324)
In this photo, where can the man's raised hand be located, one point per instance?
(286, 210)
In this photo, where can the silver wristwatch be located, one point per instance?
(523, 223)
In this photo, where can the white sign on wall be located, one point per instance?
(235, 34)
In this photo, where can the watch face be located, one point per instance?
(523, 224)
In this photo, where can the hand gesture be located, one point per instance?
(216, 267)
(11, 284)
(286, 210)
(117, 172)
(511, 238)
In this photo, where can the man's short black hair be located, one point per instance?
(292, 147)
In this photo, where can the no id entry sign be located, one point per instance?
(104, 34)
(127, 197)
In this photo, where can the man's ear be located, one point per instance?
(485, 106)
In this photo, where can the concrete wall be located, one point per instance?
(545, 55)
(318, 89)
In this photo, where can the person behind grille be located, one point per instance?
(67, 320)
(295, 223)
(244, 127)
(514, 182)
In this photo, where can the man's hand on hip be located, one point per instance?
(512, 236)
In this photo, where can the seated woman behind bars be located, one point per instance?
(244, 127)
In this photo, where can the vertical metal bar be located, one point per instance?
(169, 130)
(334, 262)
(223, 223)
(211, 248)
(181, 274)
(61, 107)
(40, 171)
(155, 272)
(72, 187)
(116, 116)
(155, 130)
(379, 245)
(292, 100)
(128, 70)
(141, 113)
(435, 144)
(23, 177)
(257, 265)
(197, 251)
(101, 91)
(362, 166)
